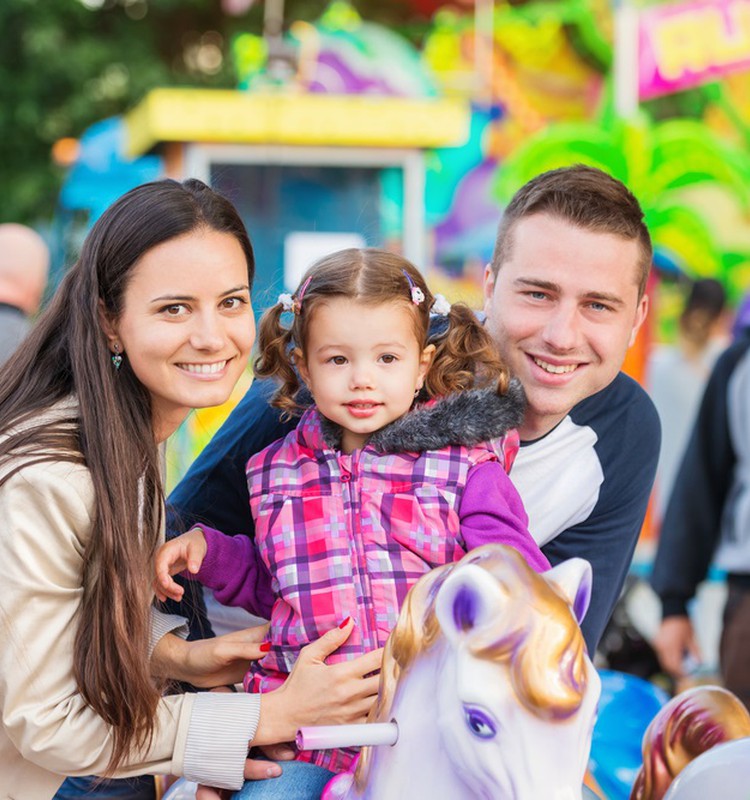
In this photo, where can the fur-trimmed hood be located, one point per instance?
(464, 418)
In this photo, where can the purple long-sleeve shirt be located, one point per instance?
(490, 511)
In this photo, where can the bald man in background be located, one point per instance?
(24, 265)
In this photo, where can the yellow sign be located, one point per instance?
(204, 115)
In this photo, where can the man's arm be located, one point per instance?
(628, 436)
(607, 542)
(214, 490)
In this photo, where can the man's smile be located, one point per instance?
(555, 369)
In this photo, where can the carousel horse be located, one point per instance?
(691, 733)
(486, 689)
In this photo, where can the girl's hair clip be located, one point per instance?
(441, 306)
(293, 303)
(417, 295)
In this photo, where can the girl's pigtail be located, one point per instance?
(276, 360)
(466, 357)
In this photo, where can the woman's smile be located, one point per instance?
(205, 370)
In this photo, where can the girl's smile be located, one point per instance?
(362, 409)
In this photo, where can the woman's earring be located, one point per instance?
(116, 357)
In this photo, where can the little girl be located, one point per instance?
(398, 467)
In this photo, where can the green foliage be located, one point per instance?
(655, 160)
(65, 64)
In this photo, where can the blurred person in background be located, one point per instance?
(24, 265)
(677, 376)
(707, 520)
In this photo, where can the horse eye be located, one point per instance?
(479, 723)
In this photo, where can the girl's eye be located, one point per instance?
(337, 360)
(388, 358)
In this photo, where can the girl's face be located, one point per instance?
(363, 364)
(187, 325)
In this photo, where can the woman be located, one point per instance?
(153, 320)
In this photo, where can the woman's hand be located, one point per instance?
(316, 693)
(184, 552)
(206, 663)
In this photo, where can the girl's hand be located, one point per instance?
(185, 552)
(206, 663)
(316, 693)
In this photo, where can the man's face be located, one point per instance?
(564, 309)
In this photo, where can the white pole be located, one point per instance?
(325, 737)
(626, 59)
(484, 36)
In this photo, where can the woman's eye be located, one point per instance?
(175, 310)
(233, 303)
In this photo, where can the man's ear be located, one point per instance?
(488, 286)
(108, 325)
(640, 317)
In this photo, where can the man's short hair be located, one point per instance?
(585, 197)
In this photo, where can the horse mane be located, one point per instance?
(546, 661)
(688, 725)
(538, 636)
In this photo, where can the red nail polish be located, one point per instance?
(265, 647)
(345, 622)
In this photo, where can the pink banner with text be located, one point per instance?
(688, 44)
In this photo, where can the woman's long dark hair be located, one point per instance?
(110, 430)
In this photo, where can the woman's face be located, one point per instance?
(187, 326)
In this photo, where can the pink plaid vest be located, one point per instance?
(349, 535)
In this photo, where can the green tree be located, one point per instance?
(65, 64)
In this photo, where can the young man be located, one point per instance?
(564, 299)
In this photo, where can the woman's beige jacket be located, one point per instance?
(48, 731)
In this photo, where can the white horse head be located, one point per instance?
(487, 678)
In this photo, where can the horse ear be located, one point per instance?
(468, 599)
(573, 577)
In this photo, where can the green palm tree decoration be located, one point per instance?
(656, 161)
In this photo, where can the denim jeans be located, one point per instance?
(142, 788)
(298, 781)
